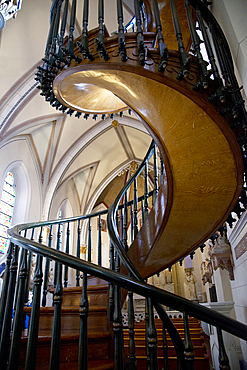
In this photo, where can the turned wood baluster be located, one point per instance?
(5, 284)
(156, 186)
(143, 213)
(56, 330)
(6, 327)
(165, 347)
(223, 359)
(184, 60)
(18, 278)
(18, 318)
(83, 341)
(65, 283)
(117, 324)
(125, 223)
(131, 223)
(100, 39)
(89, 243)
(34, 320)
(64, 22)
(188, 345)
(146, 191)
(152, 338)
(162, 46)
(135, 204)
(202, 65)
(217, 80)
(139, 33)
(121, 35)
(78, 252)
(47, 269)
(99, 243)
(57, 248)
(49, 38)
(121, 224)
(55, 28)
(72, 28)
(83, 44)
(111, 285)
(132, 365)
(146, 333)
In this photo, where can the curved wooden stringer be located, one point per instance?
(202, 158)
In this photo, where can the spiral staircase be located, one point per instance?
(197, 120)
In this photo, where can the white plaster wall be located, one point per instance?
(15, 152)
(231, 15)
(239, 284)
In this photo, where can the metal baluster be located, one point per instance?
(146, 333)
(204, 74)
(184, 60)
(156, 186)
(100, 39)
(121, 35)
(117, 324)
(29, 267)
(162, 46)
(67, 251)
(99, 242)
(165, 348)
(131, 323)
(152, 338)
(89, 243)
(47, 268)
(139, 33)
(83, 312)
(18, 318)
(4, 294)
(57, 248)
(6, 327)
(111, 285)
(83, 45)
(135, 204)
(56, 330)
(125, 224)
(78, 252)
(34, 320)
(188, 345)
(223, 359)
(146, 191)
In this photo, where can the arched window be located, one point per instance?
(6, 209)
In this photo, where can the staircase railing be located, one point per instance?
(216, 78)
(11, 329)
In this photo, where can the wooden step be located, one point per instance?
(98, 349)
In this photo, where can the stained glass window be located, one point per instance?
(6, 209)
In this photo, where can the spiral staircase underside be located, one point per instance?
(202, 158)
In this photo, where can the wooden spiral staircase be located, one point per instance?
(197, 124)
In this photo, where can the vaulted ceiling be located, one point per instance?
(66, 151)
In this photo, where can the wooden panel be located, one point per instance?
(203, 161)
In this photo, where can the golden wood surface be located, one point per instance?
(203, 160)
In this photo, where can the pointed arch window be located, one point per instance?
(7, 204)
